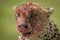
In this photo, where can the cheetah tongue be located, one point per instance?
(22, 29)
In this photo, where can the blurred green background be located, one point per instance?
(8, 30)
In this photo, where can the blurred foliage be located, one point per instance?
(8, 30)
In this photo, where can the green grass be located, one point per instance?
(8, 30)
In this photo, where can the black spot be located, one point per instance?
(55, 25)
(50, 26)
(45, 39)
(58, 34)
(38, 36)
(56, 30)
(51, 37)
(54, 36)
(58, 38)
(44, 25)
(48, 16)
(45, 35)
(50, 23)
(54, 33)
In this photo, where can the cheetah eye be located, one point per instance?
(33, 15)
(18, 14)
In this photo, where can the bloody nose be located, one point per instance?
(26, 26)
(22, 28)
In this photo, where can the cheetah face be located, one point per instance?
(31, 17)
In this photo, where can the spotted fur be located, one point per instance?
(36, 23)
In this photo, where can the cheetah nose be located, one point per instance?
(26, 26)
(22, 28)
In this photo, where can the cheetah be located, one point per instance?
(33, 22)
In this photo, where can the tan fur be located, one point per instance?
(36, 17)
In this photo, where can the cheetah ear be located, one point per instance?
(14, 7)
(50, 11)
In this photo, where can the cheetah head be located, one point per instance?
(31, 18)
